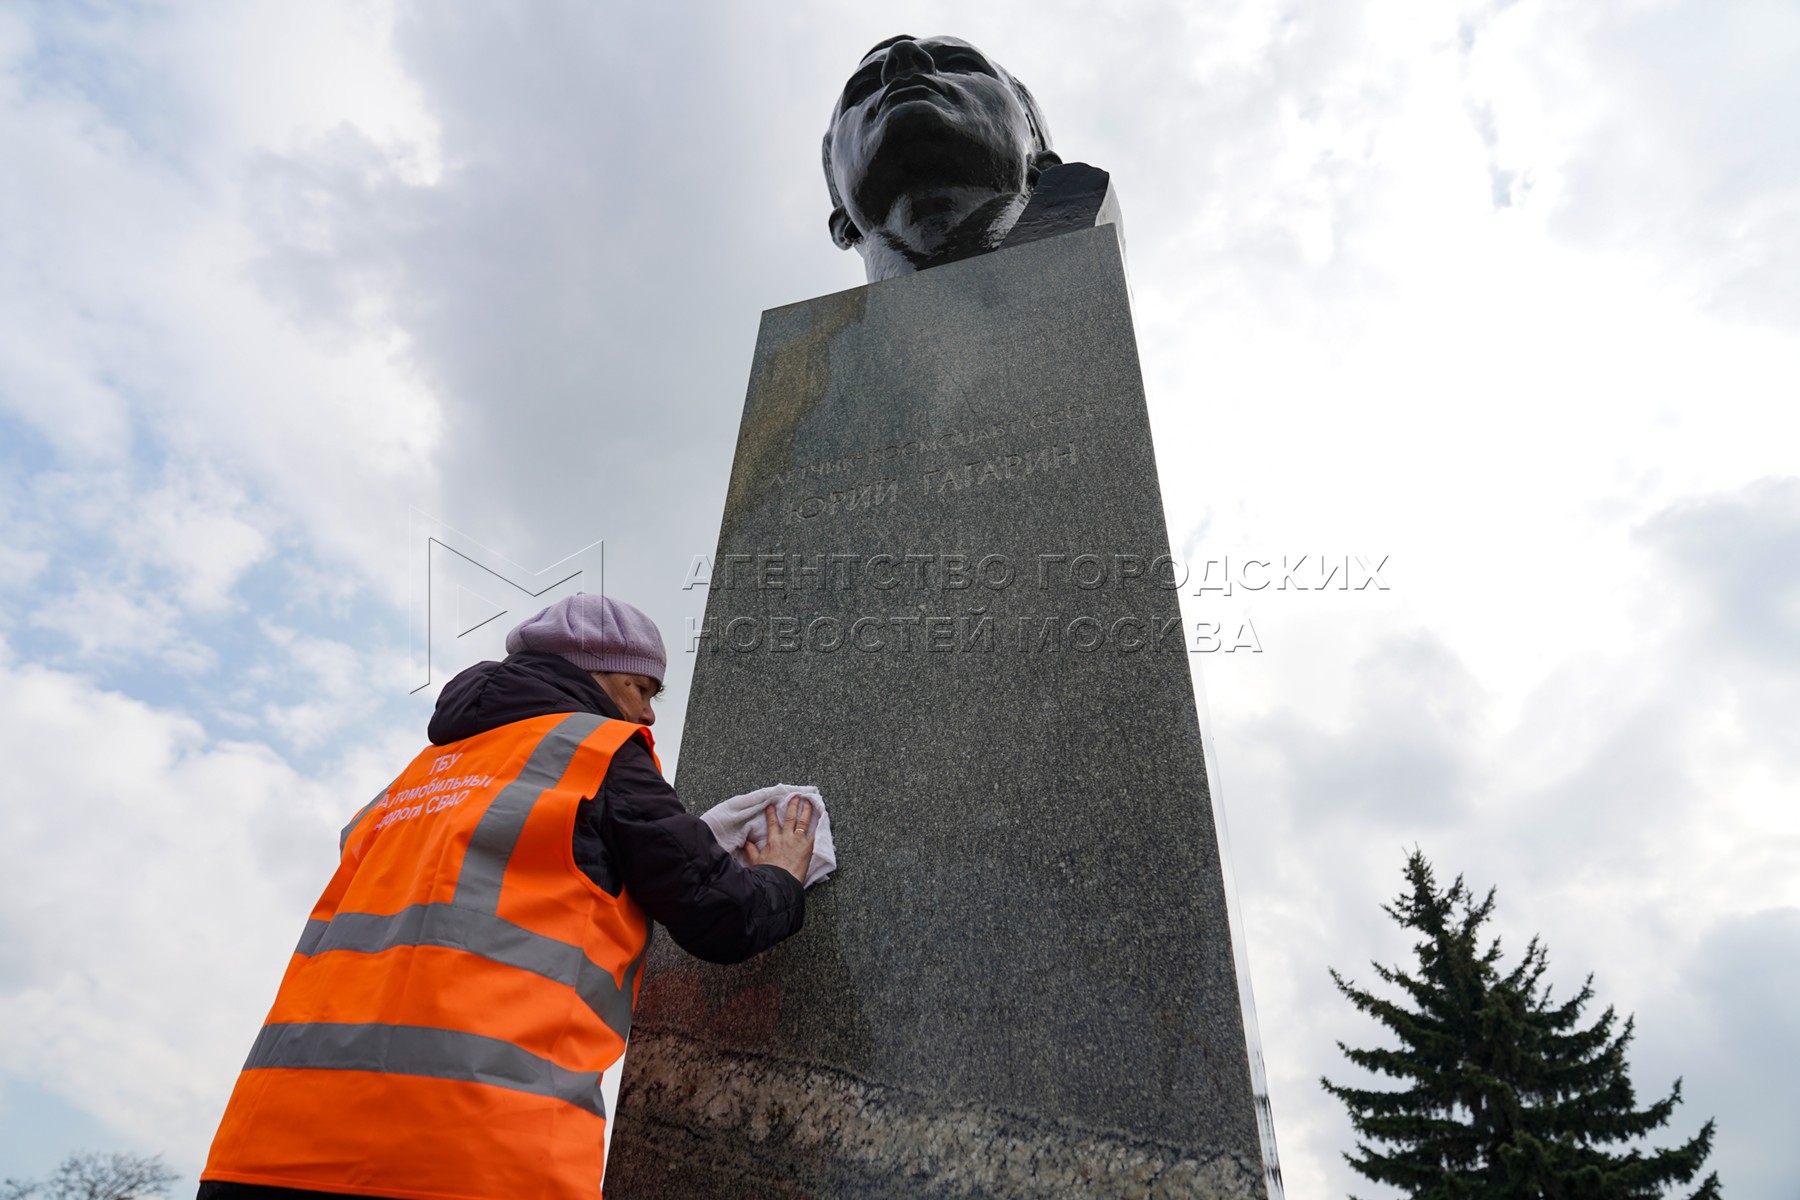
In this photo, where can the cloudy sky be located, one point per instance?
(1505, 293)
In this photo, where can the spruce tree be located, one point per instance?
(1507, 1095)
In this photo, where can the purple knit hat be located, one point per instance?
(596, 633)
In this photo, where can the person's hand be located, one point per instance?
(790, 848)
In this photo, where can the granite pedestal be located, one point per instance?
(943, 594)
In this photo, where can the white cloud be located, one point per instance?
(199, 530)
(1408, 757)
(133, 331)
(1736, 993)
(1740, 554)
(1670, 164)
(152, 881)
(20, 567)
(105, 620)
(340, 688)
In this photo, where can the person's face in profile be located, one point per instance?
(632, 693)
(926, 113)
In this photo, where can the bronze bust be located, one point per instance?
(935, 153)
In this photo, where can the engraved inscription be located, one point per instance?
(979, 472)
(851, 499)
(811, 475)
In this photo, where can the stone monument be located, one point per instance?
(943, 593)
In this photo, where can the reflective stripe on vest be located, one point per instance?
(421, 1050)
(478, 884)
(344, 836)
(488, 936)
(459, 992)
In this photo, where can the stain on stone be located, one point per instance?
(793, 379)
(755, 1126)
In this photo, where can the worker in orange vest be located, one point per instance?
(463, 989)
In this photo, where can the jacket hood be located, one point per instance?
(524, 685)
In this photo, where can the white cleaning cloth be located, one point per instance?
(743, 819)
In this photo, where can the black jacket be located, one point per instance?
(635, 834)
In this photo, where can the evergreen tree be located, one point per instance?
(1508, 1096)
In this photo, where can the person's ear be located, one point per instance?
(1040, 161)
(843, 231)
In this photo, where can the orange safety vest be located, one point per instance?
(462, 987)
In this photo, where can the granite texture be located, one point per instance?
(942, 594)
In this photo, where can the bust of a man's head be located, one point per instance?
(931, 156)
